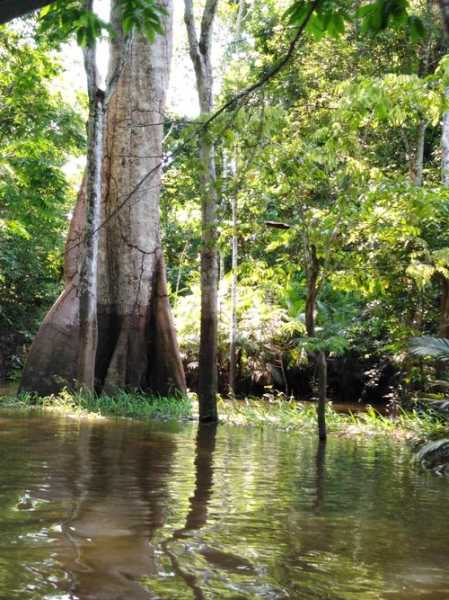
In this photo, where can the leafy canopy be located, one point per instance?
(63, 18)
(331, 16)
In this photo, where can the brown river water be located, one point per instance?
(119, 510)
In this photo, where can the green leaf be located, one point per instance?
(416, 28)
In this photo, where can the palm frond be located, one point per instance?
(427, 345)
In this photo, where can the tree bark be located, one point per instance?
(136, 346)
(419, 162)
(88, 332)
(238, 24)
(180, 267)
(445, 146)
(234, 293)
(444, 8)
(200, 53)
(423, 71)
(443, 329)
(313, 271)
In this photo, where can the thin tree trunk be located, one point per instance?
(419, 162)
(423, 71)
(445, 146)
(234, 242)
(88, 327)
(207, 380)
(221, 267)
(238, 24)
(200, 53)
(234, 296)
(283, 373)
(313, 271)
(443, 329)
(444, 8)
(180, 268)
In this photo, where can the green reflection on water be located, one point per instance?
(121, 510)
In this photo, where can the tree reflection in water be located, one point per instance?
(119, 499)
(198, 504)
(320, 460)
(115, 509)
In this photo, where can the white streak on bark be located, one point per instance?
(445, 145)
(444, 309)
(234, 282)
(88, 273)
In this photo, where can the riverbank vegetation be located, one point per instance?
(278, 412)
(121, 404)
(304, 228)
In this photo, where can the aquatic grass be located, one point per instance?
(291, 415)
(133, 405)
(280, 412)
(287, 414)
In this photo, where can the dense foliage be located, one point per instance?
(38, 134)
(328, 155)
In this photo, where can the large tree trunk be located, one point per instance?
(136, 345)
(200, 52)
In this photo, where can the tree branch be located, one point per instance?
(277, 225)
(209, 13)
(189, 20)
(273, 71)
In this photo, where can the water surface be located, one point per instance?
(117, 510)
